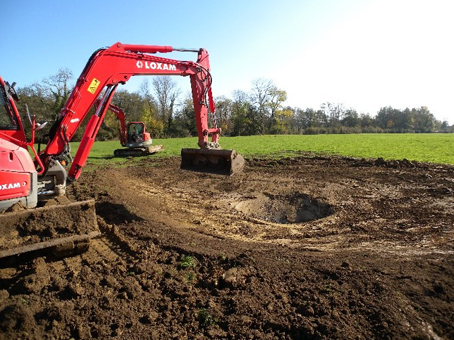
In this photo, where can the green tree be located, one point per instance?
(267, 100)
(334, 112)
(240, 107)
(149, 111)
(131, 104)
(444, 126)
(386, 117)
(424, 121)
(366, 120)
(185, 118)
(282, 121)
(350, 118)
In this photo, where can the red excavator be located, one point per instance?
(25, 182)
(133, 137)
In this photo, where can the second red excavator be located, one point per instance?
(133, 137)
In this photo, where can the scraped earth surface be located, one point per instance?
(301, 248)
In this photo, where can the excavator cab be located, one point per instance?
(137, 135)
(8, 115)
(7, 119)
(137, 142)
(133, 137)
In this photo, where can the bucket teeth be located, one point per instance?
(225, 162)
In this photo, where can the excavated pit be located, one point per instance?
(285, 209)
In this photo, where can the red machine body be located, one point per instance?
(18, 175)
(16, 172)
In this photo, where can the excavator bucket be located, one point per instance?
(65, 228)
(225, 162)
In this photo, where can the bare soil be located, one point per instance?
(58, 219)
(302, 248)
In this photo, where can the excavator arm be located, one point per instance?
(105, 70)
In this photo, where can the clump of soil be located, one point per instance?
(18, 321)
(301, 248)
(60, 219)
(16, 207)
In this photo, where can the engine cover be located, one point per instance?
(18, 176)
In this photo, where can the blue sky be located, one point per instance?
(365, 54)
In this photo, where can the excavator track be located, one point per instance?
(60, 227)
(138, 152)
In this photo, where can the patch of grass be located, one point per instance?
(190, 277)
(205, 318)
(186, 262)
(434, 148)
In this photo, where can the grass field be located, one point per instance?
(434, 148)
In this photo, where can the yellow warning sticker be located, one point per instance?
(93, 86)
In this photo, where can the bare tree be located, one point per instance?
(334, 111)
(56, 88)
(166, 94)
(262, 90)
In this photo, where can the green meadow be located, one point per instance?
(433, 148)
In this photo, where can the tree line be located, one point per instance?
(169, 113)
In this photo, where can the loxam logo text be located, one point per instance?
(156, 66)
(9, 186)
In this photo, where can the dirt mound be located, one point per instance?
(17, 322)
(22, 228)
(315, 248)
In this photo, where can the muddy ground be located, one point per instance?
(303, 248)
